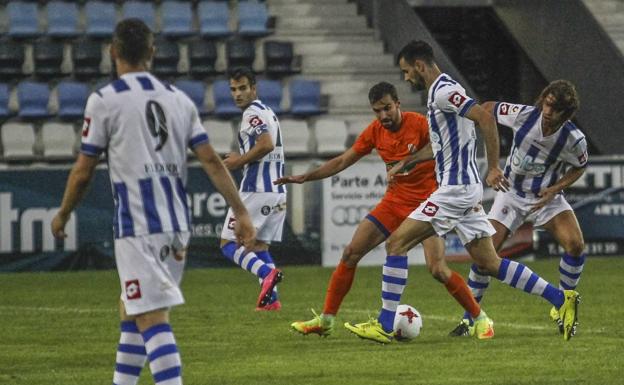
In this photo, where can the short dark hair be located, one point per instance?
(416, 50)
(566, 98)
(242, 72)
(133, 41)
(381, 89)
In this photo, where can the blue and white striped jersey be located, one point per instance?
(145, 127)
(453, 137)
(536, 162)
(258, 176)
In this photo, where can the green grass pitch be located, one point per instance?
(62, 329)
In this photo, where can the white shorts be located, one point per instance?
(456, 208)
(149, 271)
(267, 212)
(512, 211)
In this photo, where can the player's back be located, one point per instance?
(146, 127)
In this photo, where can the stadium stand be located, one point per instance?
(224, 105)
(270, 92)
(196, 90)
(305, 98)
(253, 19)
(4, 102)
(166, 58)
(141, 10)
(101, 17)
(59, 140)
(11, 60)
(18, 141)
(177, 19)
(23, 20)
(33, 100)
(62, 19)
(87, 56)
(213, 19)
(221, 135)
(48, 57)
(240, 53)
(331, 136)
(202, 56)
(279, 59)
(72, 98)
(296, 137)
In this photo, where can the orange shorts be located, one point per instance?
(387, 216)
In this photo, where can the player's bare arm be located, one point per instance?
(422, 155)
(329, 168)
(547, 194)
(264, 145)
(487, 124)
(77, 184)
(222, 180)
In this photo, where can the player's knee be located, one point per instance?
(437, 271)
(351, 256)
(575, 247)
(395, 246)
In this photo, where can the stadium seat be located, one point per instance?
(62, 19)
(4, 102)
(221, 135)
(101, 18)
(331, 136)
(280, 59)
(59, 140)
(48, 57)
(86, 55)
(213, 19)
(202, 58)
(253, 19)
(270, 93)
(224, 105)
(33, 100)
(11, 60)
(240, 53)
(305, 98)
(196, 90)
(177, 18)
(140, 10)
(72, 98)
(23, 20)
(296, 136)
(166, 58)
(18, 140)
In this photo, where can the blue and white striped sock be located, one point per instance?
(162, 352)
(393, 283)
(266, 257)
(570, 269)
(478, 282)
(521, 277)
(131, 355)
(247, 260)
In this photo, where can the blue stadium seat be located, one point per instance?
(240, 53)
(213, 19)
(23, 20)
(87, 55)
(166, 58)
(224, 104)
(305, 98)
(72, 98)
(252, 19)
(141, 10)
(4, 101)
(279, 58)
(196, 90)
(33, 100)
(202, 58)
(270, 93)
(101, 19)
(62, 19)
(177, 18)
(48, 57)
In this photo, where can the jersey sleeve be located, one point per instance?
(453, 99)
(95, 130)
(511, 115)
(365, 142)
(577, 151)
(254, 124)
(198, 133)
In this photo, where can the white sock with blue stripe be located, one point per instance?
(393, 283)
(478, 283)
(131, 355)
(162, 352)
(570, 269)
(247, 260)
(521, 277)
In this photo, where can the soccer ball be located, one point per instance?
(407, 323)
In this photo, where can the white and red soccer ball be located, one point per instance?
(407, 323)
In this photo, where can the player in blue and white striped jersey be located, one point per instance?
(261, 154)
(145, 128)
(549, 153)
(456, 204)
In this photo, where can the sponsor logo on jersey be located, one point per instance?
(265, 210)
(583, 158)
(85, 127)
(457, 99)
(525, 165)
(133, 289)
(430, 209)
(231, 223)
(506, 109)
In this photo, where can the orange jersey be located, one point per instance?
(419, 182)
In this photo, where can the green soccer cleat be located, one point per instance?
(554, 316)
(483, 327)
(463, 329)
(323, 326)
(568, 312)
(370, 330)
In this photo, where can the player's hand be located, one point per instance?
(394, 171)
(496, 180)
(245, 231)
(546, 195)
(231, 160)
(58, 225)
(290, 179)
